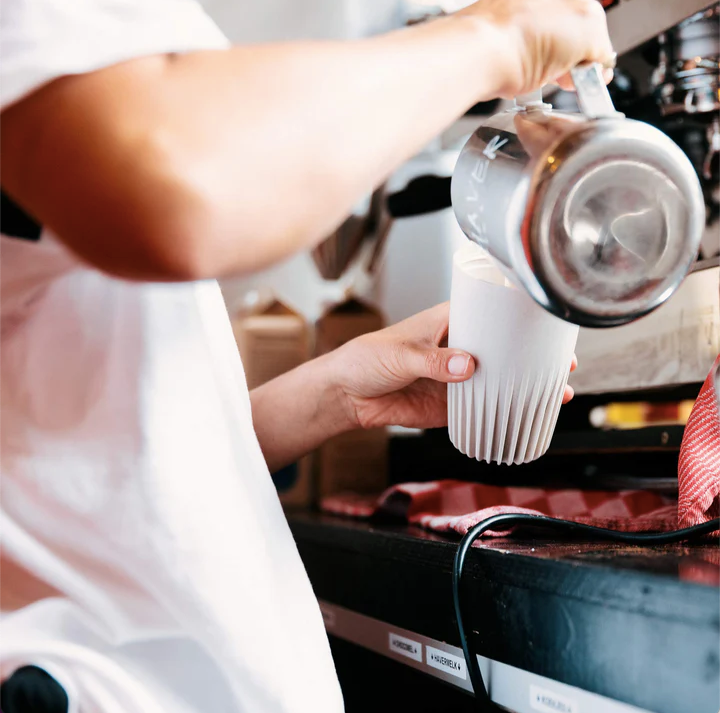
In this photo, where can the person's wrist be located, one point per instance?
(334, 404)
(497, 52)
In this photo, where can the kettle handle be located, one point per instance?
(592, 94)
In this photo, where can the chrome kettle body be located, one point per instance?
(598, 217)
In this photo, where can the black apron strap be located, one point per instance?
(32, 690)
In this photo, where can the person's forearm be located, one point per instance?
(327, 122)
(213, 163)
(298, 411)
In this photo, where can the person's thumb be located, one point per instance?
(446, 365)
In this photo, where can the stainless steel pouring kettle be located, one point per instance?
(597, 216)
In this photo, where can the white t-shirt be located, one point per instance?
(147, 563)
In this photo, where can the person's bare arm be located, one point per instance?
(220, 162)
(396, 376)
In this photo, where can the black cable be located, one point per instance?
(486, 705)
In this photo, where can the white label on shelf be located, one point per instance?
(444, 661)
(550, 702)
(328, 616)
(405, 647)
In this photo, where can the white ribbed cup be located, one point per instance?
(506, 413)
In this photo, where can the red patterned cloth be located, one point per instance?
(456, 505)
(446, 505)
(699, 467)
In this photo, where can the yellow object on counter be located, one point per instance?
(640, 414)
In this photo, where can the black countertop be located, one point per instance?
(639, 625)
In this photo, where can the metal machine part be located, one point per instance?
(685, 87)
(686, 78)
(713, 139)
